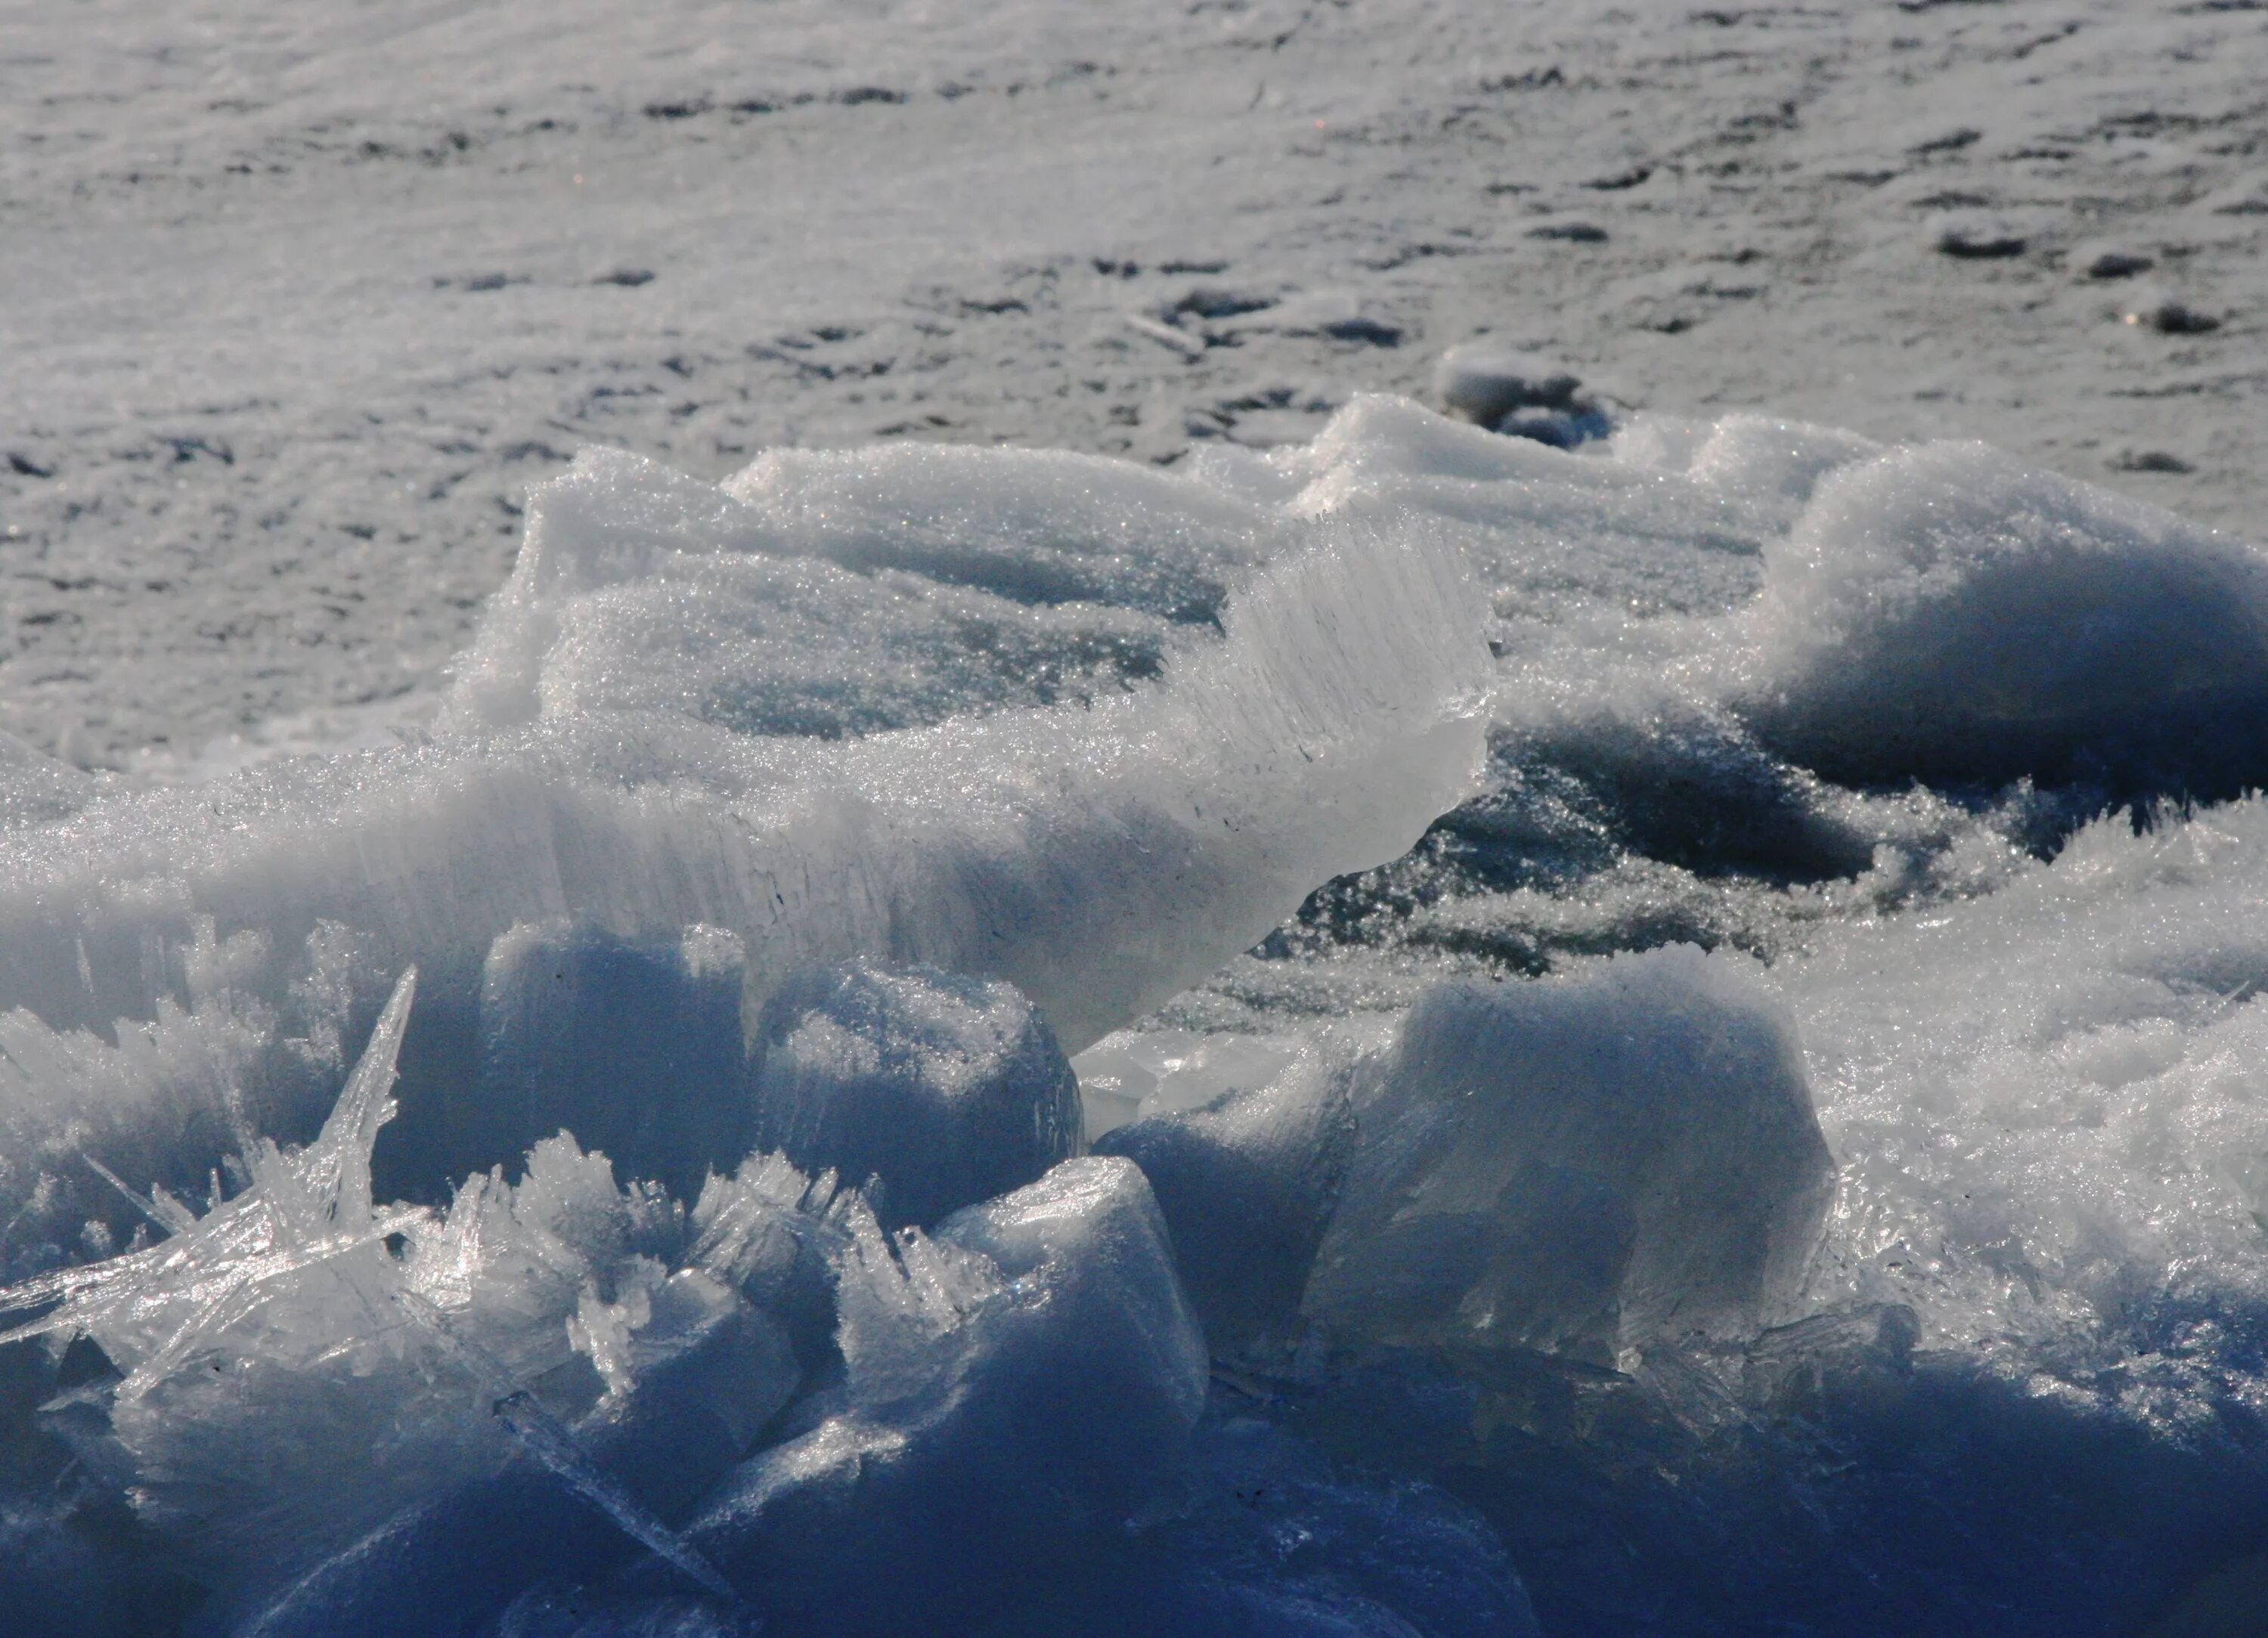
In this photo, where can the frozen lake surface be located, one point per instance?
(804, 830)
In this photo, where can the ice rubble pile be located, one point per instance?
(729, 1250)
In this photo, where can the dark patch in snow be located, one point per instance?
(1952, 141)
(1213, 301)
(1371, 332)
(2151, 460)
(1979, 241)
(1621, 179)
(2116, 264)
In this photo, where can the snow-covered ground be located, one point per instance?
(1023, 959)
(301, 299)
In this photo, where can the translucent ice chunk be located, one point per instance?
(292, 1380)
(636, 1047)
(1571, 1164)
(1016, 1386)
(947, 1090)
(711, 1372)
(265, 1353)
(1137, 1074)
(1247, 1183)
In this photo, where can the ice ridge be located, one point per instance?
(1422, 1033)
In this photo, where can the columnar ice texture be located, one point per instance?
(1844, 1275)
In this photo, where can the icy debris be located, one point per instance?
(648, 816)
(1247, 1183)
(944, 1091)
(635, 1047)
(292, 1380)
(266, 1352)
(1688, 789)
(1576, 554)
(1576, 1163)
(798, 647)
(775, 1236)
(171, 1102)
(1518, 393)
(1033, 526)
(822, 591)
(69, 1097)
(1034, 1361)
(1772, 463)
(710, 1373)
(2096, 1021)
(1940, 613)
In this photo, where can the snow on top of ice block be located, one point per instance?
(894, 581)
